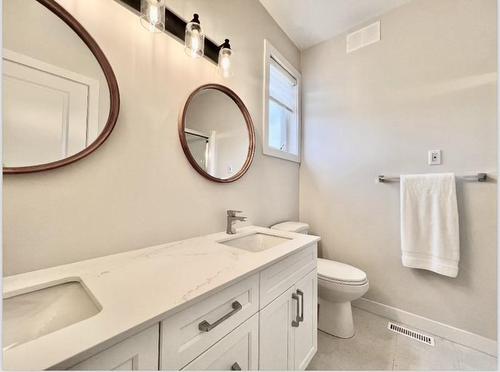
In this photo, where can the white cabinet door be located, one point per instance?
(275, 333)
(288, 327)
(139, 352)
(305, 336)
(236, 351)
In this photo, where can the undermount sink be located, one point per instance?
(256, 242)
(31, 315)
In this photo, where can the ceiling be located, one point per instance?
(309, 22)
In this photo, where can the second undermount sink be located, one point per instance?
(256, 242)
(33, 314)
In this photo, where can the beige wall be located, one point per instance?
(138, 189)
(429, 84)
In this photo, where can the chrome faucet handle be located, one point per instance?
(232, 213)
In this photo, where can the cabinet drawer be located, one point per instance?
(182, 340)
(139, 352)
(238, 350)
(282, 275)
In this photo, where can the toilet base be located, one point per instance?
(335, 318)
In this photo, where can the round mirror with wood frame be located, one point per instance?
(217, 133)
(90, 112)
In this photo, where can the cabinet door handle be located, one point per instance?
(235, 367)
(296, 322)
(301, 317)
(207, 327)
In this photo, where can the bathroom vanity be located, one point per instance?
(226, 302)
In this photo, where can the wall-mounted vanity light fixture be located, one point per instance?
(171, 23)
(153, 15)
(225, 62)
(194, 41)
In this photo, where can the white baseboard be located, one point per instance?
(448, 332)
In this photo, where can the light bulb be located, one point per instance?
(153, 15)
(225, 63)
(194, 40)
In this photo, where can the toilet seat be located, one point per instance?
(340, 273)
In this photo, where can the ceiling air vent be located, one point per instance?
(402, 330)
(361, 38)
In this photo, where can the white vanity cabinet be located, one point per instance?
(266, 321)
(245, 301)
(272, 327)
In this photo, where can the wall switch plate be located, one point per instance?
(434, 157)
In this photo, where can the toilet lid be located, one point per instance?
(333, 270)
(292, 226)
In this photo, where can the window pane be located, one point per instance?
(282, 87)
(282, 124)
(282, 134)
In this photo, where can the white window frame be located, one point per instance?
(270, 52)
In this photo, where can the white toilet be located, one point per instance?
(338, 284)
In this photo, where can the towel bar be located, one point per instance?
(480, 177)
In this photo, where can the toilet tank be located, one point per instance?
(292, 226)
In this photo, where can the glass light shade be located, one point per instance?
(195, 39)
(153, 15)
(225, 62)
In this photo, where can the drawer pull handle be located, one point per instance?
(235, 367)
(296, 322)
(301, 317)
(207, 327)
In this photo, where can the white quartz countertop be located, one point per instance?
(137, 289)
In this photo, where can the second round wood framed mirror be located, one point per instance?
(217, 133)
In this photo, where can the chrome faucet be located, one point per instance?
(231, 217)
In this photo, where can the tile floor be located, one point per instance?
(374, 347)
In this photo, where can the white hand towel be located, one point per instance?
(429, 223)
